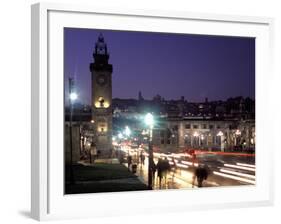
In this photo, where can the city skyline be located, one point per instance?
(119, 145)
(171, 65)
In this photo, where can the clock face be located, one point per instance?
(101, 80)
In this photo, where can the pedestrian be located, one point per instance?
(160, 169)
(98, 154)
(201, 174)
(129, 160)
(121, 158)
(153, 170)
(142, 158)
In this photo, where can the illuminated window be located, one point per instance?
(101, 101)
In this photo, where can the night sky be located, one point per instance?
(171, 65)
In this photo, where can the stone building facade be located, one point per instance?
(199, 133)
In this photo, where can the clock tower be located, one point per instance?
(102, 97)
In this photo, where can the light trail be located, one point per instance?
(179, 155)
(240, 167)
(189, 163)
(234, 177)
(181, 165)
(227, 153)
(244, 164)
(238, 174)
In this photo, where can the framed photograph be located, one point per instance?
(138, 111)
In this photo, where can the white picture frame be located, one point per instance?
(48, 201)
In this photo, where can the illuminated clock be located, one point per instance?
(101, 80)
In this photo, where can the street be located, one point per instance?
(225, 169)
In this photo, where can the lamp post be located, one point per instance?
(220, 134)
(72, 97)
(127, 131)
(149, 121)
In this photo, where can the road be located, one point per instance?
(225, 169)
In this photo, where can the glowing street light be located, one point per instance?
(120, 136)
(73, 96)
(149, 121)
(238, 132)
(195, 134)
(127, 131)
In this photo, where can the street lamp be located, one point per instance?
(220, 134)
(127, 131)
(120, 136)
(72, 97)
(149, 121)
(237, 132)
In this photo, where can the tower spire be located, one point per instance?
(100, 54)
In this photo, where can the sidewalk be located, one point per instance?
(102, 176)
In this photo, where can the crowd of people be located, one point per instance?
(163, 168)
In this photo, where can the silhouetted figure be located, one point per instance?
(201, 174)
(129, 160)
(142, 158)
(98, 153)
(160, 169)
(121, 158)
(154, 168)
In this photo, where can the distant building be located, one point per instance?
(200, 133)
(140, 98)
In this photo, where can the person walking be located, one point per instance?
(142, 158)
(129, 161)
(153, 167)
(201, 174)
(160, 169)
(121, 158)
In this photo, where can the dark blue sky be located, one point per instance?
(171, 65)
